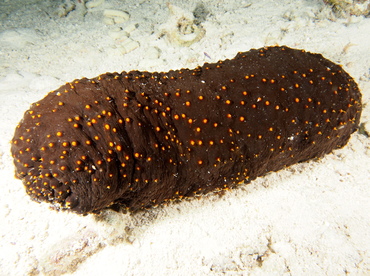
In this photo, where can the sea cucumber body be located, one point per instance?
(140, 139)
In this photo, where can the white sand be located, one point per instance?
(310, 219)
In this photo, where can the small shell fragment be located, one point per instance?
(130, 28)
(115, 16)
(94, 3)
(128, 46)
(118, 34)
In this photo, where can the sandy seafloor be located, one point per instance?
(310, 219)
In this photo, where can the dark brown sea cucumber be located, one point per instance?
(139, 139)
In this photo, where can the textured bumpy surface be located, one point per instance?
(140, 139)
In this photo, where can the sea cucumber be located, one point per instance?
(139, 139)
